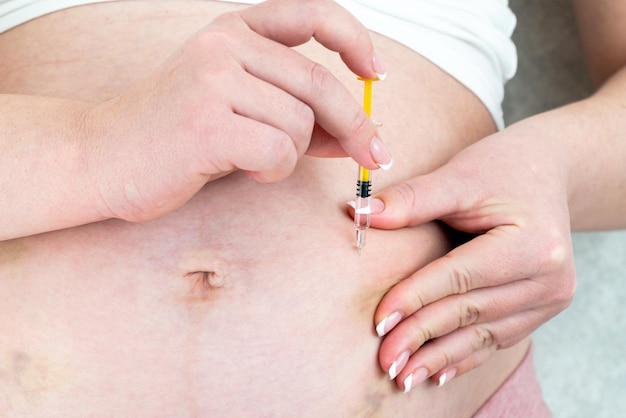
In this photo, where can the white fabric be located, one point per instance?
(469, 39)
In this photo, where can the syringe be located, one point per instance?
(362, 206)
(364, 182)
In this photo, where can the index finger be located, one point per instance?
(295, 22)
(492, 259)
(336, 110)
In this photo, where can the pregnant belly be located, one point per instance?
(251, 300)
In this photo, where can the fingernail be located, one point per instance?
(446, 377)
(398, 365)
(363, 210)
(407, 383)
(379, 67)
(376, 205)
(415, 379)
(380, 154)
(388, 323)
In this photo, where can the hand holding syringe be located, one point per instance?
(362, 208)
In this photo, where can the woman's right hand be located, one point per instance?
(234, 96)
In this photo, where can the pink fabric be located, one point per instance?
(519, 397)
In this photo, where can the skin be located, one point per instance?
(522, 191)
(249, 298)
(248, 55)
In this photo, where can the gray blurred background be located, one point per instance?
(581, 353)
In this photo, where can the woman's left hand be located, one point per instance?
(496, 289)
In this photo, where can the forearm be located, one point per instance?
(586, 143)
(597, 191)
(147, 150)
(44, 177)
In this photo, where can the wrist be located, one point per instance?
(97, 162)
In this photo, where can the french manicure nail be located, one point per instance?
(415, 379)
(388, 323)
(363, 210)
(379, 67)
(386, 167)
(408, 382)
(379, 153)
(446, 377)
(398, 365)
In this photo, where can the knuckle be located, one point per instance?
(281, 149)
(406, 197)
(421, 337)
(275, 160)
(360, 122)
(417, 299)
(361, 37)
(305, 121)
(556, 258)
(469, 314)
(422, 334)
(321, 80)
(225, 20)
(483, 338)
(460, 279)
(216, 37)
(446, 359)
(555, 253)
(307, 116)
(221, 42)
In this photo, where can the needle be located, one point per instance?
(364, 182)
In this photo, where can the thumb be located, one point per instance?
(416, 201)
